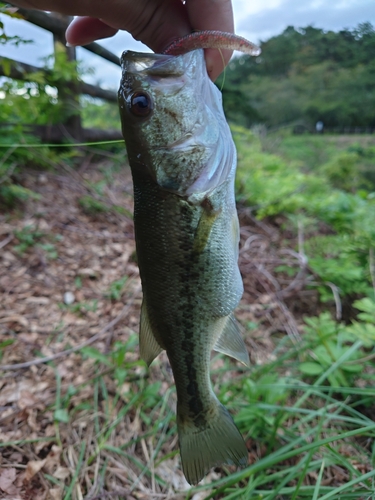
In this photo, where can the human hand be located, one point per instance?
(156, 23)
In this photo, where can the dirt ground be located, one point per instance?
(68, 279)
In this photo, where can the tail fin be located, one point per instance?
(219, 443)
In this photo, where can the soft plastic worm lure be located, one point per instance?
(211, 40)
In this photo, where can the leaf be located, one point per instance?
(310, 368)
(7, 478)
(6, 65)
(368, 318)
(55, 493)
(61, 473)
(93, 353)
(366, 305)
(33, 467)
(364, 332)
(61, 415)
(6, 342)
(352, 368)
(52, 464)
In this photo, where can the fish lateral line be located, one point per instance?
(211, 39)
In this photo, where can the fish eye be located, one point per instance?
(141, 104)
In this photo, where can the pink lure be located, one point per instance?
(211, 40)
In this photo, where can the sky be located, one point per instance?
(256, 20)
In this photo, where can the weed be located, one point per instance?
(5, 343)
(80, 307)
(31, 237)
(305, 412)
(12, 194)
(78, 282)
(28, 237)
(328, 342)
(116, 288)
(92, 206)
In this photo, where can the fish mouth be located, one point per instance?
(155, 65)
(161, 73)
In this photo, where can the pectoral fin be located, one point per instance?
(148, 345)
(206, 222)
(231, 343)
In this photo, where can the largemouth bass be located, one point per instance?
(183, 163)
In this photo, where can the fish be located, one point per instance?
(183, 163)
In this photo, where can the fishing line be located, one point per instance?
(75, 144)
(224, 70)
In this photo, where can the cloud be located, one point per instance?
(271, 20)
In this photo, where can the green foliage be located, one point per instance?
(80, 308)
(20, 149)
(271, 185)
(304, 75)
(14, 156)
(116, 288)
(6, 10)
(49, 96)
(269, 389)
(282, 414)
(12, 194)
(364, 329)
(334, 194)
(31, 237)
(4, 344)
(328, 342)
(367, 306)
(339, 262)
(342, 172)
(92, 206)
(100, 114)
(334, 204)
(27, 237)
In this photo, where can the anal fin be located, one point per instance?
(231, 343)
(149, 348)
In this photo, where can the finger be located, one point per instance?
(212, 15)
(84, 30)
(167, 21)
(155, 23)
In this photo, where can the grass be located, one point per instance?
(312, 442)
(306, 440)
(310, 433)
